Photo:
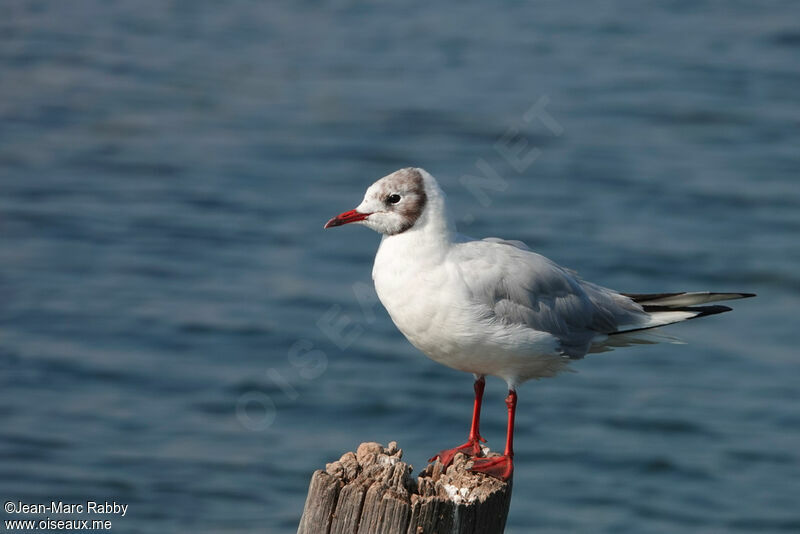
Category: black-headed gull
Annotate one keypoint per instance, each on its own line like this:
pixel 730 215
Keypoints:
pixel 494 307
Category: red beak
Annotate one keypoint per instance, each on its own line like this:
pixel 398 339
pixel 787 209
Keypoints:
pixel 346 217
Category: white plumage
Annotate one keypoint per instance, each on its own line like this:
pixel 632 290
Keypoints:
pixel 494 307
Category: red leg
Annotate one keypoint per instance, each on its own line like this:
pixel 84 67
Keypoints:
pixel 501 467
pixel 473 445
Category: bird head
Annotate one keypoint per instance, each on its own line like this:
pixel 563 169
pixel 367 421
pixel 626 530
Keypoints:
pixel 391 206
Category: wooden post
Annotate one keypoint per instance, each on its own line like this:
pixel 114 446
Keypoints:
pixel 371 492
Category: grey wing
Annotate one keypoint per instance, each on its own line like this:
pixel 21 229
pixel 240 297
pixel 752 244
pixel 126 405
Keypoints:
pixel 522 287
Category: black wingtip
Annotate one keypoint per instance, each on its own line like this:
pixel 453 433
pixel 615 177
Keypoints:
pixel 640 297
pixel 710 310
pixel 643 298
pixel 702 311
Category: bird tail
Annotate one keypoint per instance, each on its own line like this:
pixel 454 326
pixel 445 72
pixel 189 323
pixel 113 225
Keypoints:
pixel 663 309
pixel 668 308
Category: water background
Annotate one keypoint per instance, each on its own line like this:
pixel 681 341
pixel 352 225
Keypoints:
pixel 165 171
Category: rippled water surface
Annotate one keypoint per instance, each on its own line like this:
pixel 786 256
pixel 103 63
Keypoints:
pixel 165 171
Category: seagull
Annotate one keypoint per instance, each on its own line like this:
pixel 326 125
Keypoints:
pixel 494 307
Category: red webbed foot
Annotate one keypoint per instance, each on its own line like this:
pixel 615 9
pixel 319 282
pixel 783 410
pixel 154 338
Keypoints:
pixel 501 467
pixel 470 448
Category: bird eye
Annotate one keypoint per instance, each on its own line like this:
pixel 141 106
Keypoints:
pixel 393 199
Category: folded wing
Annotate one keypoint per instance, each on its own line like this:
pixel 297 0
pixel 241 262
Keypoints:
pixel 518 286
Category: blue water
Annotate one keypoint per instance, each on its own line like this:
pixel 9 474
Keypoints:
pixel 178 333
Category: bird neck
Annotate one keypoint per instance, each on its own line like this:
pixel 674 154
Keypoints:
pixel 424 244
pixel 428 241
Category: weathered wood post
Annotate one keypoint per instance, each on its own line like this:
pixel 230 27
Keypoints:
pixel 371 492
